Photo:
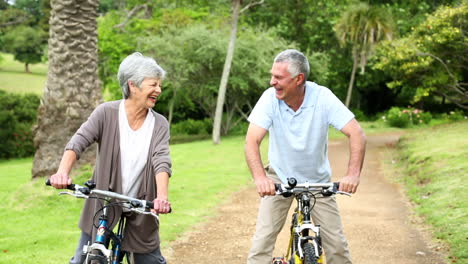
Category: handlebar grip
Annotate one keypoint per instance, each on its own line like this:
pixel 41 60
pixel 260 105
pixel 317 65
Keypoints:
pixel 150 205
pixel 336 186
pixel 277 186
pixel 69 187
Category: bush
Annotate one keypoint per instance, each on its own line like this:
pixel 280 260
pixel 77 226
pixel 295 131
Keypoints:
pixel 402 118
pixel 396 118
pixel 17 116
pixel 359 115
pixel 192 127
pixel 456 115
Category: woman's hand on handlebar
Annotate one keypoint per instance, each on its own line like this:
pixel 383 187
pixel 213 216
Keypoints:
pixel 161 206
pixel 60 180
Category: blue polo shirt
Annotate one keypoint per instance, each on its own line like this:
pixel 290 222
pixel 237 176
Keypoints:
pixel 298 141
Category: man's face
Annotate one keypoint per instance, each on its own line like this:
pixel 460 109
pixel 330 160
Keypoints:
pixel 283 82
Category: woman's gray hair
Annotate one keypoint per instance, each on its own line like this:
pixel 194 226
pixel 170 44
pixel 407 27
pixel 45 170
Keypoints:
pixel 298 62
pixel 136 68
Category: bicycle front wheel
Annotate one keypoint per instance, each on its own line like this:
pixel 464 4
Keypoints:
pixel 96 257
pixel 309 254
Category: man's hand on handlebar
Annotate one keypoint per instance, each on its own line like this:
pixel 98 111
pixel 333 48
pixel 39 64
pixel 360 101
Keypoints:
pixel 349 184
pixel 265 186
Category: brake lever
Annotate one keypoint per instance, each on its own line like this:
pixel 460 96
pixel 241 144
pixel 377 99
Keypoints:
pixel 75 194
pixel 344 193
pixel 144 212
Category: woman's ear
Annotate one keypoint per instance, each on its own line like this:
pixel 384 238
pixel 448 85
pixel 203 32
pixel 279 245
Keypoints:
pixel 131 86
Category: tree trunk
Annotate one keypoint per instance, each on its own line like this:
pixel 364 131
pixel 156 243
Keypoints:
pixel 171 106
pixel 73 88
pixel 351 82
pixel 226 70
pixel 26 67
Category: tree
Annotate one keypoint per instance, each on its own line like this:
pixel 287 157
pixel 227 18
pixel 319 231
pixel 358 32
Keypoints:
pixel 363 26
pixel 236 5
pixel 25 43
pixel 194 57
pixel 429 66
pixel 73 89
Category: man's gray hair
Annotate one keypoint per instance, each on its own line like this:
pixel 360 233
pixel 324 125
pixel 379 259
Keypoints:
pixel 136 68
pixel 298 62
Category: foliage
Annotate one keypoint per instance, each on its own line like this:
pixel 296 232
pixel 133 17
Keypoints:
pixel 17 116
pixel 430 64
pixel 456 115
pixel 194 58
pixel 398 117
pixel 362 26
pixel 32 7
pixel 25 44
pixel 118 40
pixel 192 127
pixel 13 17
pixel 434 172
pixel 310 24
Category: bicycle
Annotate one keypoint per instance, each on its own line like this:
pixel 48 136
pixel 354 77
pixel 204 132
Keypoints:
pixel 305 244
pixel 99 251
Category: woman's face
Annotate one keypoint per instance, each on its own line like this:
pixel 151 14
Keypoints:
pixel 147 94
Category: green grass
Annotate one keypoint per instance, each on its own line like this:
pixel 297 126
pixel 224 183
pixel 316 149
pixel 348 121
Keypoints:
pixel 434 162
pixel 14 79
pixel 37 223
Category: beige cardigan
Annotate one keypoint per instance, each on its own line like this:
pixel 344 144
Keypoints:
pixel 141 231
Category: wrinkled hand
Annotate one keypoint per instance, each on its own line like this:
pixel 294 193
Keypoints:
pixel 265 186
pixel 60 180
pixel 349 184
pixel 161 206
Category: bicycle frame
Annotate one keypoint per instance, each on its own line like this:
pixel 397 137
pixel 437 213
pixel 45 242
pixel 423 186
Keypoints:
pixel 99 249
pixel 103 237
pixel 301 229
pixel 305 241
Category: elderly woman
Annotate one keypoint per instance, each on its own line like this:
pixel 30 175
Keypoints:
pixel 133 157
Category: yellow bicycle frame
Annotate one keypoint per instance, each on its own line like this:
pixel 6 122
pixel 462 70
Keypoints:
pixel 297 259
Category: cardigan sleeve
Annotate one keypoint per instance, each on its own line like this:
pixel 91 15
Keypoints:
pixel 88 133
pixel 160 159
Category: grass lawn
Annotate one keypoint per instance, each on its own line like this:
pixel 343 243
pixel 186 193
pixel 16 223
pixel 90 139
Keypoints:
pixel 14 79
pixel 433 164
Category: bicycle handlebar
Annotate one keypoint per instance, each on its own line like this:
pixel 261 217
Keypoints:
pixel 326 189
pixel 85 191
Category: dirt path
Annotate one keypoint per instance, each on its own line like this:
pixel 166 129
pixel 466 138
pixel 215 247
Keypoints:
pixel 376 220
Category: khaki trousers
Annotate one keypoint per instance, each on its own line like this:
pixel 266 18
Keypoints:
pixel 272 215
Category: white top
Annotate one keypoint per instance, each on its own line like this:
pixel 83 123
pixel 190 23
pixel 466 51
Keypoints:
pixel 298 139
pixel 134 147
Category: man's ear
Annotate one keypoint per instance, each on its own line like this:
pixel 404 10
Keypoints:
pixel 300 78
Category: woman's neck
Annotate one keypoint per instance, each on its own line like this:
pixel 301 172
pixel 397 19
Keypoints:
pixel 135 115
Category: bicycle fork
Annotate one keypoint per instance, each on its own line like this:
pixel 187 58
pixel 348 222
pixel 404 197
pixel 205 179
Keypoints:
pixel 100 242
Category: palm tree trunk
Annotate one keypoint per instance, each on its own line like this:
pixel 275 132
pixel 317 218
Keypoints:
pixel 226 70
pixel 351 82
pixel 73 88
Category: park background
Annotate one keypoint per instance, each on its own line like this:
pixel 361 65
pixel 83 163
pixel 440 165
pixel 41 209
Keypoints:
pixel 399 65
